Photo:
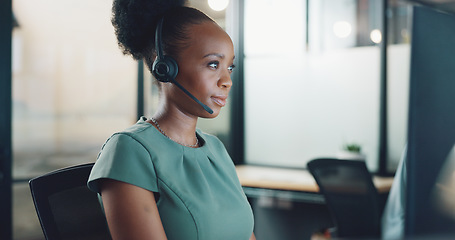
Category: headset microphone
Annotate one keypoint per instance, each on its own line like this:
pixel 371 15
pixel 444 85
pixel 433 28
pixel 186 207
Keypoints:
pixel 165 68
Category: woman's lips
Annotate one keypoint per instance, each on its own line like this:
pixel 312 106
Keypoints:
pixel 220 100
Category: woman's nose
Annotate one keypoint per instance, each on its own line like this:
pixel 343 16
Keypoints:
pixel 225 80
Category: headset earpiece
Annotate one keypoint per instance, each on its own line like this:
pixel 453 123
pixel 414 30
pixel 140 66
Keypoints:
pixel 164 68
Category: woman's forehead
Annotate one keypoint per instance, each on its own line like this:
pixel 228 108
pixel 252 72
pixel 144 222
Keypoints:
pixel 209 38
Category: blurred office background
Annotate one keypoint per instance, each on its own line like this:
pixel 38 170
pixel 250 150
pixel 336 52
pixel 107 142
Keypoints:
pixel 71 89
pixel 310 81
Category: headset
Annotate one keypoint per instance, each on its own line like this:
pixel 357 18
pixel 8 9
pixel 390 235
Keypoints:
pixel 165 68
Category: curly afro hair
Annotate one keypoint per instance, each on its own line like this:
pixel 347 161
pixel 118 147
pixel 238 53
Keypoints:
pixel 135 24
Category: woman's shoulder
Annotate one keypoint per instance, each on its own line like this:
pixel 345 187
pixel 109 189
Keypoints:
pixel 209 138
pixel 212 143
pixel 140 133
pixel 140 128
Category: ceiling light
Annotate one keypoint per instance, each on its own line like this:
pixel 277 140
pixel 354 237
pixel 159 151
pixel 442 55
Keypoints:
pixel 376 36
pixel 218 5
pixel 342 29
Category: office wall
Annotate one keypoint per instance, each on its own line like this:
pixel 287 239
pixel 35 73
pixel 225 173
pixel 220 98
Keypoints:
pixel 71 89
pixel 72 86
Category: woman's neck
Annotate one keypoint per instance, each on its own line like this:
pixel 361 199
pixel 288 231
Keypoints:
pixel 178 126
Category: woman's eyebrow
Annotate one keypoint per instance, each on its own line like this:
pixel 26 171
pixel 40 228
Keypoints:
pixel 219 55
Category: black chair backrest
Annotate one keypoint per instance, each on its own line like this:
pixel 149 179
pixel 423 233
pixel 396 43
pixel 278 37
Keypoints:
pixel 66 208
pixel 350 194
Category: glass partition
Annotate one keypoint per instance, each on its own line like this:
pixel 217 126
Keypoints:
pixel 312 81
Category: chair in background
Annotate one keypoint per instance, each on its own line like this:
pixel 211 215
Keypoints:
pixel 351 196
pixel 66 208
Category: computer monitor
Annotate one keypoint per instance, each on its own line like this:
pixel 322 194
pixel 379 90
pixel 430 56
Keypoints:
pixel 431 128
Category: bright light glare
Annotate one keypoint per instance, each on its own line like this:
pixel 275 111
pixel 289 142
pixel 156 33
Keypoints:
pixel 218 5
pixel 376 36
pixel 342 29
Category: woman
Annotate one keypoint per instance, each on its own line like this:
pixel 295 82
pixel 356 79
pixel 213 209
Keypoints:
pixel 162 178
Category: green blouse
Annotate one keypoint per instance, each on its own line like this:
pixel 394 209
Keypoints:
pixel 200 197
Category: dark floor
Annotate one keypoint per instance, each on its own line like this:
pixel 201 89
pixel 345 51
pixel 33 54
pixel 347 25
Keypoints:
pixel 25 221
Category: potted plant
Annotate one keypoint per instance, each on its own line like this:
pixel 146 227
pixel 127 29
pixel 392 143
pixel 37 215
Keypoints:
pixel 351 151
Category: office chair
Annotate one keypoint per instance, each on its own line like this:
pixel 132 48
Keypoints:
pixel 66 208
pixel 351 196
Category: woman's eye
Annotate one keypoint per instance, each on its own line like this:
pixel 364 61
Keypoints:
pixel 214 65
pixel 231 68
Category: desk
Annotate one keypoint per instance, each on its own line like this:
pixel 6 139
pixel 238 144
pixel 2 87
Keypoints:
pixel 287 203
pixel 291 179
